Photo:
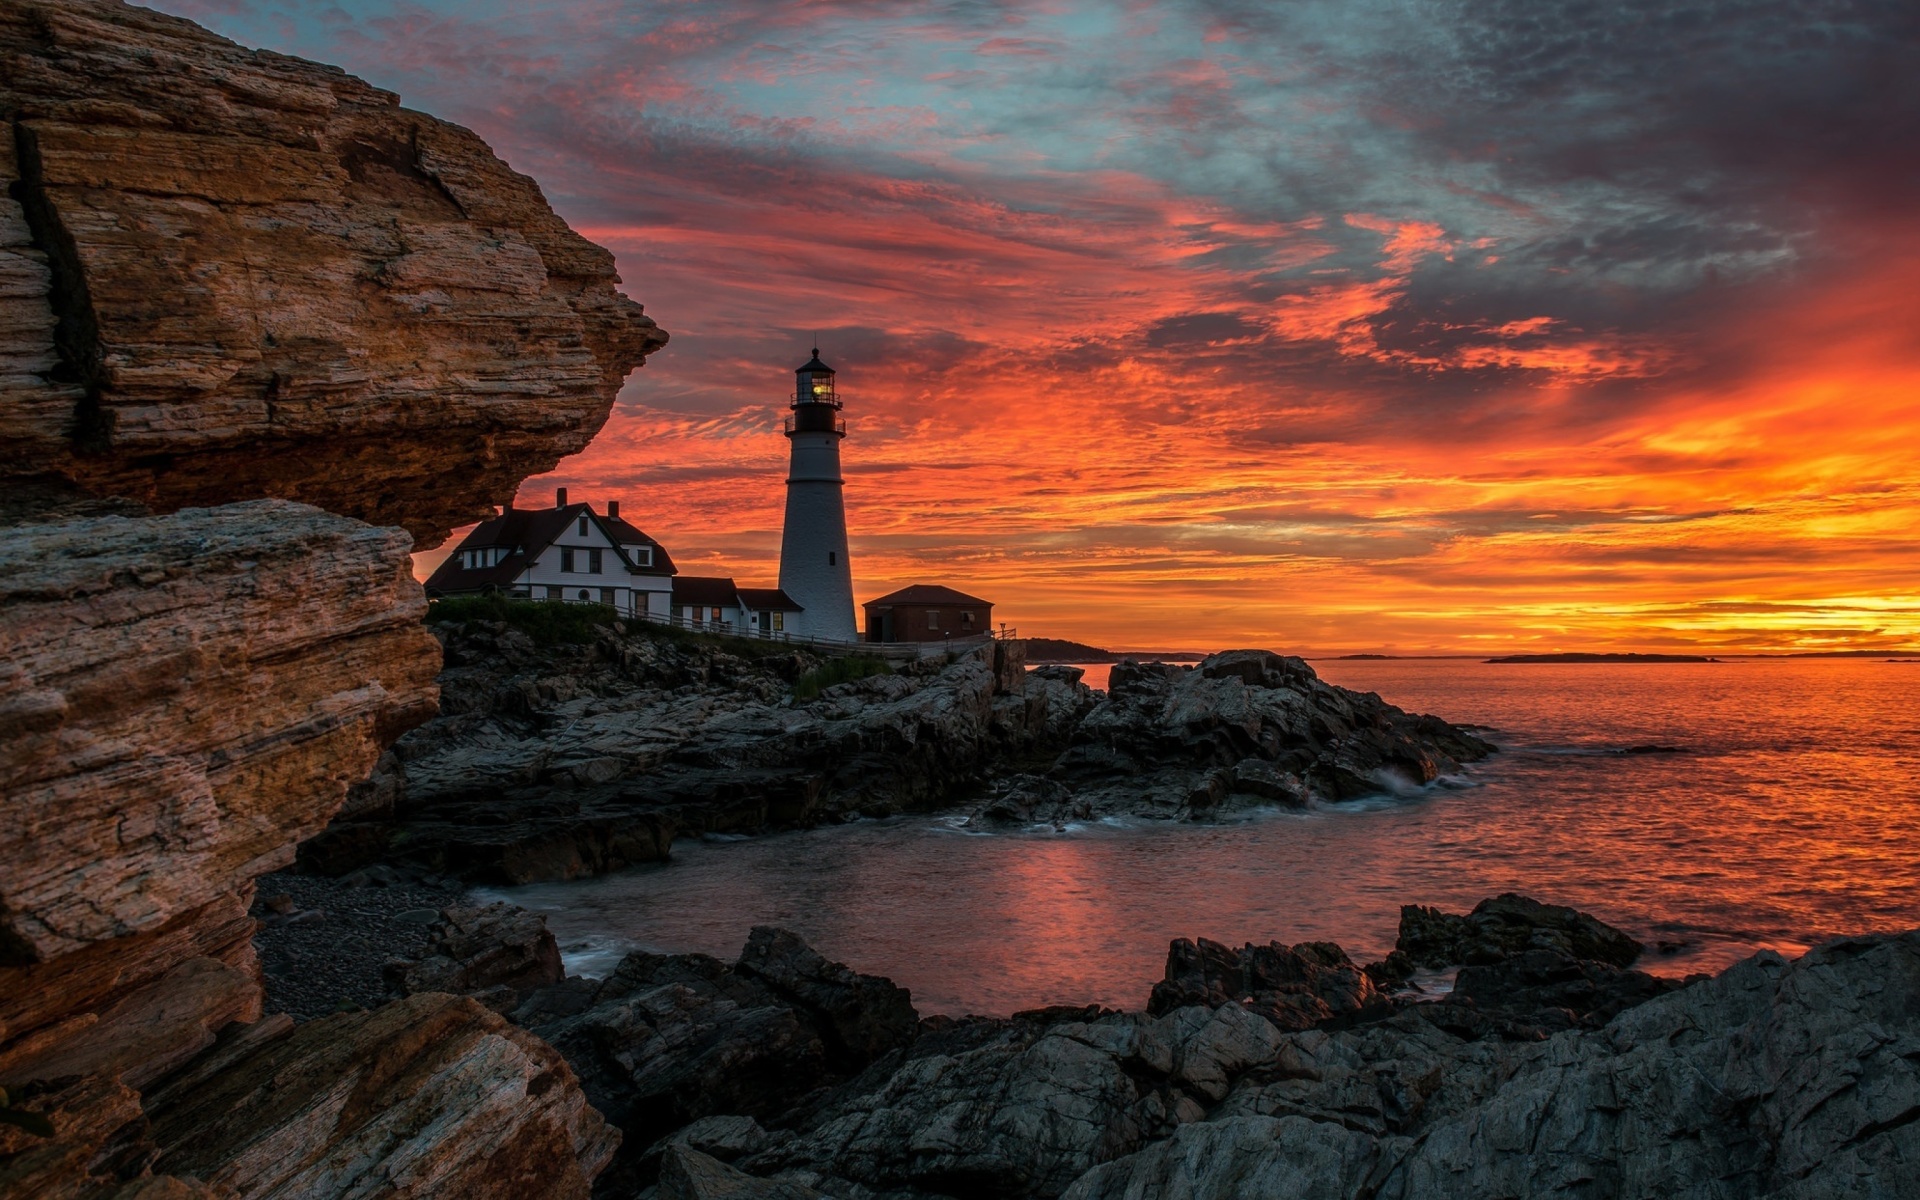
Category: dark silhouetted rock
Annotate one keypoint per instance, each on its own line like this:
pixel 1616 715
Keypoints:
pixel 1295 987
pixel 1506 925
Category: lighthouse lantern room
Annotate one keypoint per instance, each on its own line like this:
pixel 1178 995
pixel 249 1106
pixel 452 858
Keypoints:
pixel 814 571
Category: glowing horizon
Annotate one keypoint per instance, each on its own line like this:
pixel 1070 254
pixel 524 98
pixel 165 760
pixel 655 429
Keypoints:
pixel 1186 325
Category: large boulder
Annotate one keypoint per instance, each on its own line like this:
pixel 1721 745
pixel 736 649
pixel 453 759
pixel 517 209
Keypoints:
pixel 666 1040
pixel 426 1097
pixel 495 953
pixel 1505 925
pixel 1295 987
pixel 365 309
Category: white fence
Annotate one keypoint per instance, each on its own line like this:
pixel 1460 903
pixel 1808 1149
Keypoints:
pixel 893 651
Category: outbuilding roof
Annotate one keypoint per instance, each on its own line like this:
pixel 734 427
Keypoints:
pixel 705 590
pixel 925 593
pixel 768 600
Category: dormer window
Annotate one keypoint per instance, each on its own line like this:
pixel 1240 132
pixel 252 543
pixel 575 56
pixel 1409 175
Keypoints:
pixel 642 555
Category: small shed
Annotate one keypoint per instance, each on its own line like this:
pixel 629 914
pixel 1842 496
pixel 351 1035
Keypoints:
pixel 927 612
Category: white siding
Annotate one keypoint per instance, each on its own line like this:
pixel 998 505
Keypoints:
pixel 814 568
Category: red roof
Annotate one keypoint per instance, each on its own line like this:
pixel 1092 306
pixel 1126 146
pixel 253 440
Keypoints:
pixel 926 593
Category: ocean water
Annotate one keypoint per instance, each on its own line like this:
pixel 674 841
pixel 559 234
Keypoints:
pixel 1782 808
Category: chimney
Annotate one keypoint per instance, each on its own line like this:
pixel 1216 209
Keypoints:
pixel 559 497
pixel 613 509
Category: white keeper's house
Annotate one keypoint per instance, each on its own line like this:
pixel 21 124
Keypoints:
pixel 567 552
pixel 571 553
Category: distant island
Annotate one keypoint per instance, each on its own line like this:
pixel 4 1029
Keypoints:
pixel 1060 650
pixel 1603 658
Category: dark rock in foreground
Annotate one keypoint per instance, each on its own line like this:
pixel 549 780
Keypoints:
pixel 784 1076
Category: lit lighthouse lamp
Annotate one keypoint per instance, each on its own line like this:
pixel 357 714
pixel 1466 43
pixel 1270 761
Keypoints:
pixel 814 571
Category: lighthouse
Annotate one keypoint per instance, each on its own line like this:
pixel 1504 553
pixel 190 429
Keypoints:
pixel 814 571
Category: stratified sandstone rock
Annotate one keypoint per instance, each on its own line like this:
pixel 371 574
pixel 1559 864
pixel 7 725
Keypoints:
pixel 227 273
pixel 186 698
pixel 101 1148
pixel 428 1097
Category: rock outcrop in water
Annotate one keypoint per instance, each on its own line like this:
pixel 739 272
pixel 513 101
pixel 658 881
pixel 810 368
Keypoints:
pixel 559 761
pixel 1772 1079
pixel 237 280
pixel 1242 728
pixel 556 761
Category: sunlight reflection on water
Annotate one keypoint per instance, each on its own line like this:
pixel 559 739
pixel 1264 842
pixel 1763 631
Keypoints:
pixel 1791 813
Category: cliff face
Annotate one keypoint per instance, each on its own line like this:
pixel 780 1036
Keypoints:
pixel 247 304
pixel 229 273
pixel 188 697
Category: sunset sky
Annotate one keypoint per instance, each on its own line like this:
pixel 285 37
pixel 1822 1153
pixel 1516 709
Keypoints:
pixel 1325 326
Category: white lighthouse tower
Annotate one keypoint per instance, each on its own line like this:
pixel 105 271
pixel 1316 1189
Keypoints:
pixel 814 572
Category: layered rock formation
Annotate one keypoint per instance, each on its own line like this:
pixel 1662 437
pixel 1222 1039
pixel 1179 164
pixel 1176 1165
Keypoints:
pixel 187 698
pixel 235 279
pixel 228 273
pixel 559 761
pixel 1773 1079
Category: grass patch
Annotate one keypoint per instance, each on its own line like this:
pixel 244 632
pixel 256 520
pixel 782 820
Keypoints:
pixel 561 623
pixel 547 622
pixel 838 670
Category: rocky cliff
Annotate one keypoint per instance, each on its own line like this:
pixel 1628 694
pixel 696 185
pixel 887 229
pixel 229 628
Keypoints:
pixel 228 273
pixel 555 761
pixel 247 304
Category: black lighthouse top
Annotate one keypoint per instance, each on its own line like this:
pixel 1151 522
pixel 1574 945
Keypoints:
pixel 816 402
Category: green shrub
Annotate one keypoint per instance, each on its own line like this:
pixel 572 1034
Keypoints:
pixel 547 622
pixel 838 670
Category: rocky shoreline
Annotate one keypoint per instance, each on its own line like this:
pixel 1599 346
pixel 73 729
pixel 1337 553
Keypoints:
pixel 569 759
pixel 1257 1070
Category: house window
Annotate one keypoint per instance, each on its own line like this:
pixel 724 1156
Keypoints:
pixel 583 524
pixel 585 594
pixel 593 562
pixel 566 559
pixel 713 614
pixel 933 618
pixel 832 557
pixel 966 618
pixel 778 621
pixel 642 556
pixel 553 593
pixel 606 595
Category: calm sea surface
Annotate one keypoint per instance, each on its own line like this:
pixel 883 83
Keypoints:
pixel 1790 813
